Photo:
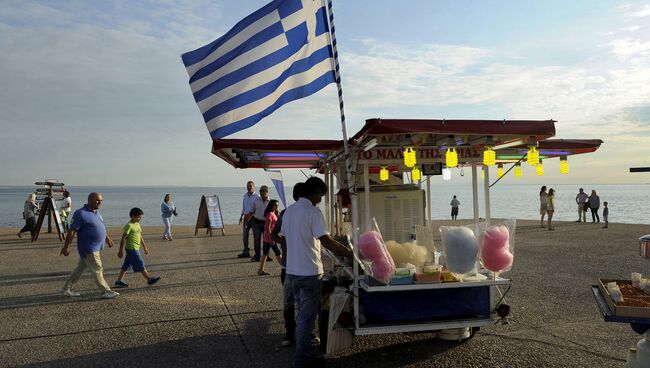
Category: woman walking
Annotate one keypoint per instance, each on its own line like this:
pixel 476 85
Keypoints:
pixel 168 209
pixel 543 203
pixel 270 218
pixel 29 215
pixel 550 207
pixel 594 205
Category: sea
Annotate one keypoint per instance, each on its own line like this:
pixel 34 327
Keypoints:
pixel 626 202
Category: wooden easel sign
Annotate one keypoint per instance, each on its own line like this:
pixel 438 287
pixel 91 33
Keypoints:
pixel 49 207
pixel 210 216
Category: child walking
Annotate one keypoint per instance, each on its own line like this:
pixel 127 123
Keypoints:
pixel 132 240
pixel 270 218
pixel 605 215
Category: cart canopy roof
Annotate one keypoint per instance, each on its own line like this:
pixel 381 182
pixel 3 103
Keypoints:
pixel 453 132
pixel 510 138
pixel 275 154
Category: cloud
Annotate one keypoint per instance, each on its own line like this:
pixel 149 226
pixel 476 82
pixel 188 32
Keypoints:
pixel 644 12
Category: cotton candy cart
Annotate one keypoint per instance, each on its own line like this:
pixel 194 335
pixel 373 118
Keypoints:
pixel 457 309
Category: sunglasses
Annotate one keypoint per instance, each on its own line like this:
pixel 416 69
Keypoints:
pixel 263 191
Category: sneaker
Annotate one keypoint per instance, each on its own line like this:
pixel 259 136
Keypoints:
pixel 70 293
pixel 262 273
pixel 121 284
pixel 110 294
pixel 243 255
pixel 286 342
pixel 255 259
pixel 153 280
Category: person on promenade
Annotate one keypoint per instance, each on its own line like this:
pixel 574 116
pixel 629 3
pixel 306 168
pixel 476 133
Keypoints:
pixel 168 210
pixel 270 218
pixel 66 208
pixel 257 219
pixel 594 204
pixel 288 310
pixel 543 203
pixel 581 200
pixel 245 219
pixel 605 215
pixel 550 207
pixel 132 237
pixel 305 231
pixel 89 225
pixel 454 208
pixel 29 214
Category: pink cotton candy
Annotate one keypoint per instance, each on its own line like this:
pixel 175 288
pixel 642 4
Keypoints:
pixel 495 251
pixel 372 248
pixel 371 245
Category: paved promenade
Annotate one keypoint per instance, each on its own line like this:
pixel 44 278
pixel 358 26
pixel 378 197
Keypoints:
pixel 212 309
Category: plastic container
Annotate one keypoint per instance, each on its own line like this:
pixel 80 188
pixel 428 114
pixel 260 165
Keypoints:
pixel 631 359
pixel 643 353
pixel 644 246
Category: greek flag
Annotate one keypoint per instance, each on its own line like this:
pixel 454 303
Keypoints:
pixel 280 53
pixel 276 178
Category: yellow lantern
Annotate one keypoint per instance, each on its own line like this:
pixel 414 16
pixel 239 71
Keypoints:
pixel 383 173
pixel 564 165
pixel 409 157
pixel 489 156
pixel 533 156
pixel 415 173
pixel 451 157
pixel 500 170
pixel 518 172
pixel 539 169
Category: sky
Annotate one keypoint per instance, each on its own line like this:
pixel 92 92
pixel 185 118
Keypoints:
pixel 95 93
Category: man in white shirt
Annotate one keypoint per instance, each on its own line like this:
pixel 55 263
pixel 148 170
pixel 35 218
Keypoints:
pixel 66 207
pixel 245 218
pixel 257 220
pixel 303 227
pixel 581 199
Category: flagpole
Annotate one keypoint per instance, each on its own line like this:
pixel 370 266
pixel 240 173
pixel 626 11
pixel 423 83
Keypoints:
pixel 350 169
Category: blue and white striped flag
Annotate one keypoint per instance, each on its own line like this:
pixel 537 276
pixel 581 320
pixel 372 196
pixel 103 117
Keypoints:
pixel 278 54
pixel 276 179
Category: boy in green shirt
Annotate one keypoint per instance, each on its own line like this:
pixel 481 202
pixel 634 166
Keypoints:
pixel 132 237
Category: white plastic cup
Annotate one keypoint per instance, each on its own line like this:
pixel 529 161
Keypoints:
pixel 636 279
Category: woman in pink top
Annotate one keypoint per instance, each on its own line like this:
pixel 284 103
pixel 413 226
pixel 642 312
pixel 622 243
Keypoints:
pixel 271 217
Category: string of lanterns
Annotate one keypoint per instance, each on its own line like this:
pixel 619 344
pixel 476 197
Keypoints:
pixel 489 159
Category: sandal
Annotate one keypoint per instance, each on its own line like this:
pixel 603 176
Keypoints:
pixel 262 273
pixel 18 235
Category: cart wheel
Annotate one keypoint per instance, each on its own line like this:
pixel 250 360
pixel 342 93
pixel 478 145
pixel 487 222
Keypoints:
pixel 473 332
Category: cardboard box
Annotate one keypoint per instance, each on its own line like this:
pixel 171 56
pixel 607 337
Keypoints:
pixel 623 311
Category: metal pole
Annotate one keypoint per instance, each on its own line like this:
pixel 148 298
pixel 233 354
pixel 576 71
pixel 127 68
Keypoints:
pixel 429 201
pixel 366 192
pixel 475 192
pixel 328 200
pixel 348 160
pixel 486 193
